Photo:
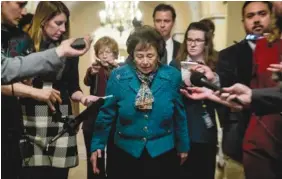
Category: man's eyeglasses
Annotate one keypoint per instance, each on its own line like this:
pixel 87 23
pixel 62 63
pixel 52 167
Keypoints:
pixel 196 41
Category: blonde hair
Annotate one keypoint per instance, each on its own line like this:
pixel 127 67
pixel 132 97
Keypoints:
pixel 106 42
pixel 45 11
pixel 274 30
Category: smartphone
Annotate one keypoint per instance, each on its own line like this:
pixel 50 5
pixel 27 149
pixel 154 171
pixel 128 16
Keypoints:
pixel 188 64
pixel 98 61
pixel 186 71
pixel 253 37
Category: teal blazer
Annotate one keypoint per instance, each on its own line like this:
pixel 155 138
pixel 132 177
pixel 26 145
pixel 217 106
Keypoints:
pixel 159 130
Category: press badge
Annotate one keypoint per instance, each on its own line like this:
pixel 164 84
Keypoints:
pixel 208 120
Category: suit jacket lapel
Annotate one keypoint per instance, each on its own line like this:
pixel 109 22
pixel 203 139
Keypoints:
pixel 164 58
pixel 176 47
pixel 245 65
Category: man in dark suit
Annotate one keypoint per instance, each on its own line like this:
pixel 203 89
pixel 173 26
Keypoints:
pixel 235 65
pixel 164 18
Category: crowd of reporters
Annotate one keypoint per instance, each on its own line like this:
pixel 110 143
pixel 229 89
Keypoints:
pixel 156 145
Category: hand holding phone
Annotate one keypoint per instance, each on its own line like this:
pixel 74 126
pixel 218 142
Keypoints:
pixel 186 71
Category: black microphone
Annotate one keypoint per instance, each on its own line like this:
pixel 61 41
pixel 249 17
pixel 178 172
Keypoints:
pixel 72 124
pixel 78 44
pixel 200 80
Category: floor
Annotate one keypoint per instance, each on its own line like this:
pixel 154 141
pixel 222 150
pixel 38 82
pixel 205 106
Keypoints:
pixel 80 170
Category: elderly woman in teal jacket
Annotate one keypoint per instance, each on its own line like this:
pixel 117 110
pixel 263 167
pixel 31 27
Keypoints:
pixel 151 125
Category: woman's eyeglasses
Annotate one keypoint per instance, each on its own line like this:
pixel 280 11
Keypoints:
pixel 196 41
pixel 107 53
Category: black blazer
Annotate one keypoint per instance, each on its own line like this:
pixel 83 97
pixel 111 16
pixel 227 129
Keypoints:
pixel 266 101
pixel 176 47
pixel 235 65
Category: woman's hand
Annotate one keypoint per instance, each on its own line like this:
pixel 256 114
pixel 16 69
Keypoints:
pixel 275 67
pixel 65 49
pixel 205 70
pixel 113 63
pixel 95 67
pixel 85 100
pixel 240 91
pixel 50 96
pixel 28 81
pixel 197 93
pixel 94 158
pixel 183 157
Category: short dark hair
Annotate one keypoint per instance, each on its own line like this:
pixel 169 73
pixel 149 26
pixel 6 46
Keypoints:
pixel 145 35
pixel 268 3
pixel 165 7
pixel 209 23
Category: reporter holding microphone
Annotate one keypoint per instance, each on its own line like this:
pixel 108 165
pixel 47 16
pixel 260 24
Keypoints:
pixel 50 26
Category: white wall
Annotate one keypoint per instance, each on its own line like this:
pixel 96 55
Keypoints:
pixel 234 28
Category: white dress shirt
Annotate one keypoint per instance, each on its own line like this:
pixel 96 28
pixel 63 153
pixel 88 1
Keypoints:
pixel 169 50
pixel 252 45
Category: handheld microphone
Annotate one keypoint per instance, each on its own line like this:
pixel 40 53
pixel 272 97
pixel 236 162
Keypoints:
pixel 72 123
pixel 200 80
pixel 78 44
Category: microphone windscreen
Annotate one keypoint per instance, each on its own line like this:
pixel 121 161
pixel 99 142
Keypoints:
pixel 196 79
